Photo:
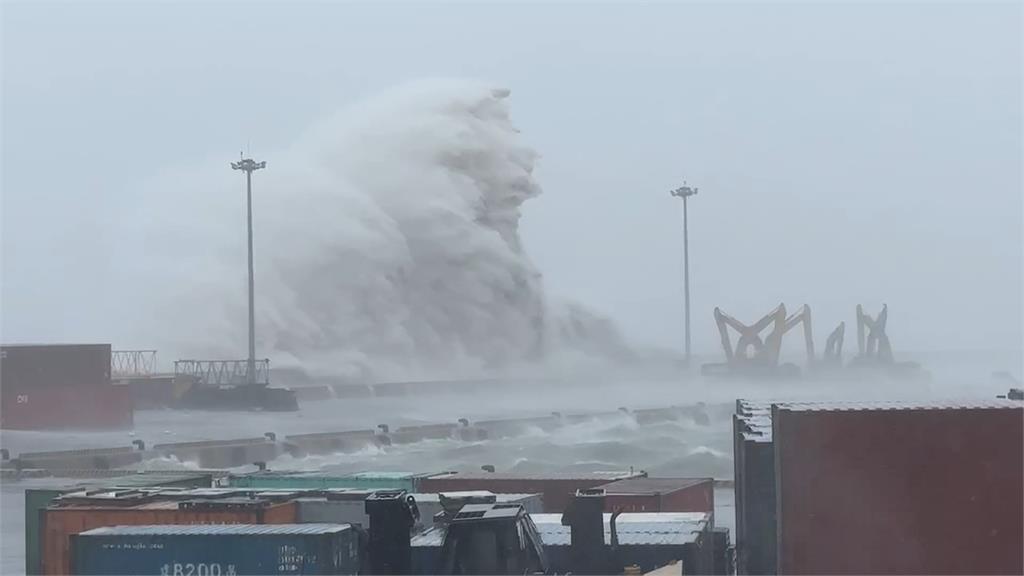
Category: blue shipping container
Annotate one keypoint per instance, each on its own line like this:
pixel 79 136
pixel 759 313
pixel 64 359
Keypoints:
pixel 217 550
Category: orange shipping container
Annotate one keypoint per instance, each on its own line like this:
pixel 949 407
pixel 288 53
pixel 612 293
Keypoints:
pixel 61 523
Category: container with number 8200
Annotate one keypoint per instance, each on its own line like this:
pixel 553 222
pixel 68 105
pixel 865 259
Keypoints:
pixel 217 550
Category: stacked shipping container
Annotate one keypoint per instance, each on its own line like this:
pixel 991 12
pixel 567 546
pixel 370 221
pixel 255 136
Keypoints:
pixel 873 488
pixel 883 487
pixel 60 386
pixel 60 523
pixel 646 540
pixel 407 481
pixel 557 489
pixel 38 499
pixel 753 459
pixel 348 506
pixel 660 495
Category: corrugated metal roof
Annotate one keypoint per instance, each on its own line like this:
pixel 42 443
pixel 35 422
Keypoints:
pixel 423 497
pixel 499 498
pixel 758 420
pixel 384 475
pixel 488 511
pixel 610 475
pixel 634 529
pixel 951 404
pixel 216 529
pixel 651 485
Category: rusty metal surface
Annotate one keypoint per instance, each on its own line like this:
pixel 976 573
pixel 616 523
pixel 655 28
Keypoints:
pixel 912 490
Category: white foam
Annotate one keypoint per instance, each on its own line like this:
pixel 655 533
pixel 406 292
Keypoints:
pixel 387 241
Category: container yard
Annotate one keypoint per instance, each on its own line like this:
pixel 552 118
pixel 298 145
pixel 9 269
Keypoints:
pixel 97 488
pixel 776 452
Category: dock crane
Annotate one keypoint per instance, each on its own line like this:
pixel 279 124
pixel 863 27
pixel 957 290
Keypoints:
pixel 757 356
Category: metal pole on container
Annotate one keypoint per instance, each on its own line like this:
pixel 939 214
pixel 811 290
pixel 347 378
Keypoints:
pixel 685 192
pixel 248 165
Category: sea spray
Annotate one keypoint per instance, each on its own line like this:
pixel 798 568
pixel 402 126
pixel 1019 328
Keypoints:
pixel 387 247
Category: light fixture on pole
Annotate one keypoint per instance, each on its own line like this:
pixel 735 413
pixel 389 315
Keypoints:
pixel 248 165
pixel 685 192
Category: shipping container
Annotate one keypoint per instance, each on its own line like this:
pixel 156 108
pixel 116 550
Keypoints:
pixel 107 407
pixel 407 481
pixel 754 488
pixel 900 488
pixel 722 552
pixel 29 367
pixel 217 550
pixel 60 523
pixel 348 507
pixel 647 540
pixel 556 489
pixel 38 499
pixel 660 495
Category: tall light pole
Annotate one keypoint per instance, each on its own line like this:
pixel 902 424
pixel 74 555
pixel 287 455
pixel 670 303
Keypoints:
pixel 685 192
pixel 249 166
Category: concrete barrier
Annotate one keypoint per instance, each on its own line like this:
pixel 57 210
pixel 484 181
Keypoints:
pixel 94 458
pixel 332 442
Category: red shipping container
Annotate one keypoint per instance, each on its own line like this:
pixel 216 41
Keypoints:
pixel 556 489
pixel 61 523
pixel 47 408
pixel 660 495
pixel 900 488
pixel 33 366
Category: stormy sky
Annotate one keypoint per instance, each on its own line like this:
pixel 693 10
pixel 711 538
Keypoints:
pixel 845 154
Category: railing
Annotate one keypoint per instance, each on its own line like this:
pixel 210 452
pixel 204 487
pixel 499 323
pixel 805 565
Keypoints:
pixel 129 363
pixel 223 372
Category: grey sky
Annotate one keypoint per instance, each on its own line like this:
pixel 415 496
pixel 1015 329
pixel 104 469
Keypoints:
pixel 845 153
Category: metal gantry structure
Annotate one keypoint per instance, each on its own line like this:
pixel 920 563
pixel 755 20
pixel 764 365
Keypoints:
pixel 685 192
pixel 225 372
pixel 132 363
pixel 248 165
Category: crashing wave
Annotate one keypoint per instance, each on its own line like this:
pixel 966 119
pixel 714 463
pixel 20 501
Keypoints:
pixel 387 246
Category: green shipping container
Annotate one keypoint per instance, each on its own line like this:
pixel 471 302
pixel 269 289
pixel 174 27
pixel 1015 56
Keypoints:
pixel 318 481
pixel 38 499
